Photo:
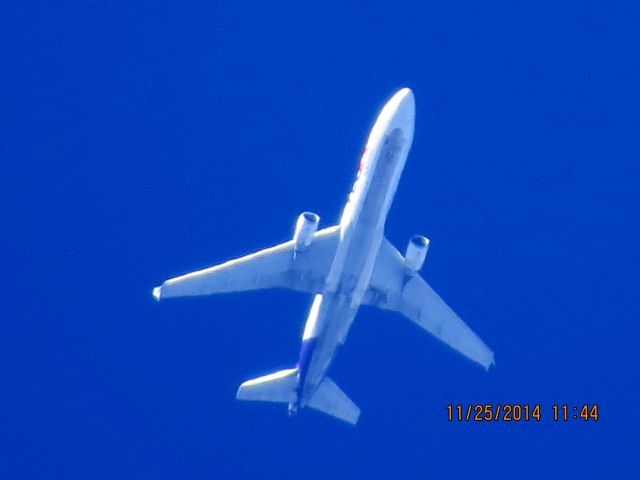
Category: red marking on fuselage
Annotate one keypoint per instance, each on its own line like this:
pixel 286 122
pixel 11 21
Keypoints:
pixel 361 163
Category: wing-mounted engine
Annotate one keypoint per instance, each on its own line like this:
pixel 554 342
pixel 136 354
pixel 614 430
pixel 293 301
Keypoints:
pixel 416 253
pixel 306 226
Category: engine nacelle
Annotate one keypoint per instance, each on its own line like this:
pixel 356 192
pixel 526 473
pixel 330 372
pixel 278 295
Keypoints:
pixel 306 226
pixel 416 253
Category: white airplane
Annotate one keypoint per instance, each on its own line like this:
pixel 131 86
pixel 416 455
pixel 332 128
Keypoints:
pixel 343 266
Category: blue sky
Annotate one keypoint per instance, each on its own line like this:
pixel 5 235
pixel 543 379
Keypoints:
pixel 145 140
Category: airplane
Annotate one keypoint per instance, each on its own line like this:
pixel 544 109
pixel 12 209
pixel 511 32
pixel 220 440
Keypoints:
pixel 342 266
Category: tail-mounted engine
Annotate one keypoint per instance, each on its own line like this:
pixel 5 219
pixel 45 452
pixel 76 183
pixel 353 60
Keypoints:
pixel 416 253
pixel 306 226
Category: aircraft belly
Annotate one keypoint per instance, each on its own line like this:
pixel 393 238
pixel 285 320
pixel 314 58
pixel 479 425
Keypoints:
pixel 353 264
pixel 335 316
pixel 373 211
pixel 362 231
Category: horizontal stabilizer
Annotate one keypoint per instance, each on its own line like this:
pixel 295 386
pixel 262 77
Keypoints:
pixel 329 399
pixel 275 387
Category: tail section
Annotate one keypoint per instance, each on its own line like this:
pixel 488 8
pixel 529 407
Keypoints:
pixel 278 387
pixel 329 399
pixel 282 387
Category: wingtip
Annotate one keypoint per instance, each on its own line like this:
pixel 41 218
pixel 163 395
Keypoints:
pixel 491 363
pixel 239 393
pixel 157 292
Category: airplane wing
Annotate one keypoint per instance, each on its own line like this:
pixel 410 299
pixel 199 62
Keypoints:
pixel 273 267
pixel 391 289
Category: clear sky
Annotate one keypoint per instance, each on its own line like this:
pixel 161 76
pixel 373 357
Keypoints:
pixel 141 141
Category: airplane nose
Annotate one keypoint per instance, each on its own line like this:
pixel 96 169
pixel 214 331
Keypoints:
pixel 398 112
pixel 406 102
pixel 405 93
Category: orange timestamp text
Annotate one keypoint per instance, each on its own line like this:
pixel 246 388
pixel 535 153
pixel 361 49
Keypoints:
pixel 515 412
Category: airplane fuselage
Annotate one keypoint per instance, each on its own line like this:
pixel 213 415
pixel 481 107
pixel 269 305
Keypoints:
pixel 361 233
pixel 343 266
